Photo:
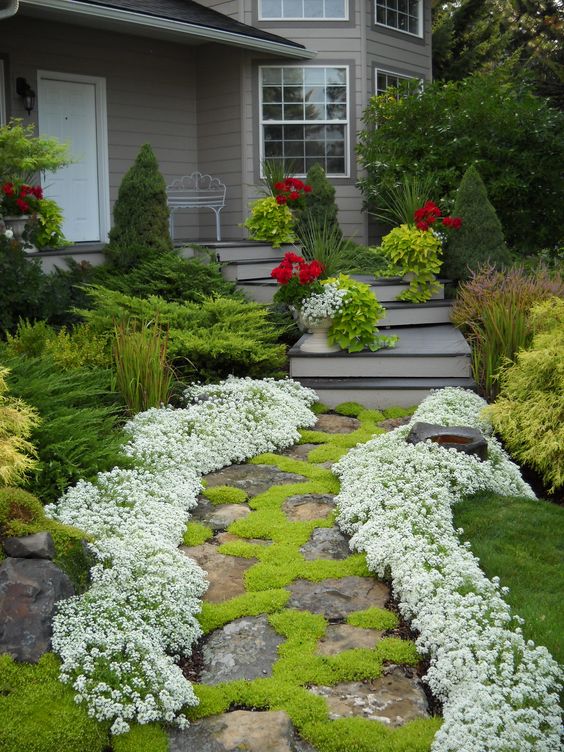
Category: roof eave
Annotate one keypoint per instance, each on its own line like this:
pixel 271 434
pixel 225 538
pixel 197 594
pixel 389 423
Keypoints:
pixel 179 28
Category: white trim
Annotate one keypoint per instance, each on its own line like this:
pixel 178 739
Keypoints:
pixel 346 122
pixel 3 112
pixel 104 213
pixel 419 34
pixel 321 19
pixel 180 29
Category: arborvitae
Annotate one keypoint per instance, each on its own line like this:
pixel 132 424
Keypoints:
pixel 480 240
pixel 320 207
pixel 140 213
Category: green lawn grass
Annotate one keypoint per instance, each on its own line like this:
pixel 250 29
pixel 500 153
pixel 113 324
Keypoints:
pixel 522 542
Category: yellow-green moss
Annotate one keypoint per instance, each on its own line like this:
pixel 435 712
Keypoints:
pixel 196 534
pixel 351 409
pixel 326 453
pixel 225 495
pixel 319 408
pixel 399 412
pixel 373 618
pixel 39 714
pixel 215 615
pixel 147 738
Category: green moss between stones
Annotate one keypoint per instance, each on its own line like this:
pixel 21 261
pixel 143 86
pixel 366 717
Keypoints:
pixel 319 408
pixel 196 534
pixel 399 412
pixel 147 738
pixel 351 409
pixel 225 495
pixel 21 513
pixel 39 714
pixel 326 453
pixel 373 618
pixel 215 615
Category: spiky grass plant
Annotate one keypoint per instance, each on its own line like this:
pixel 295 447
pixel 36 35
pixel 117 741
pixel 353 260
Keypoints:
pixel 325 243
pixel 492 311
pixel 143 376
pixel 397 205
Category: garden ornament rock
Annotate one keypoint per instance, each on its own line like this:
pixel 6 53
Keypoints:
pixel 462 438
pixel 37 546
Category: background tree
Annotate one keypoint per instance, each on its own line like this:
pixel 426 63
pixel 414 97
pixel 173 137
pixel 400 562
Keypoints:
pixel 514 139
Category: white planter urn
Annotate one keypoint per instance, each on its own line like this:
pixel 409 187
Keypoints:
pixel 17 225
pixel 316 341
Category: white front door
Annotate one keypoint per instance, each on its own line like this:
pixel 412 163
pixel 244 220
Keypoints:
pixel 68 110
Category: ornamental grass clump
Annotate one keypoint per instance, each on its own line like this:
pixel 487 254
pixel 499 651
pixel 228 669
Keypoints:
pixel 119 641
pixel 499 691
pixel 528 413
pixel 143 375
pixel 492 311
pixel 17 421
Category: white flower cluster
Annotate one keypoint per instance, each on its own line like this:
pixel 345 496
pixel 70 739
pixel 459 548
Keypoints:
pixel 118 642
pixel 323 305
pixel 499 691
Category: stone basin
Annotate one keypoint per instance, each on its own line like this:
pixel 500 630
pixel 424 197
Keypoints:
pixel 462 438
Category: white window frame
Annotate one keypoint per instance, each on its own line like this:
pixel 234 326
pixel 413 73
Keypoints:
pixel 3 108
pixel 282 17
pixel 420 10
pixel 346 122
pixel 403 76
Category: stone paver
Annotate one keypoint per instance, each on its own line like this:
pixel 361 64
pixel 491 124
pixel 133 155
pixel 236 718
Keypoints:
pixel 326 543
pixel 221 538
pixel 219 516
pixel 393 699
pixel 308 507
pixel 336 424
pixel 244 730
pixel 339 637
pixel 254 479
pixel 298 451
pixel 225 573
pixel 336 598
pixel 243 649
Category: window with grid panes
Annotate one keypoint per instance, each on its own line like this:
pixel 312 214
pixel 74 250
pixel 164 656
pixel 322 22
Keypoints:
pixel 403 15
pixel 299 10
pixel 304 117
pixel 385 80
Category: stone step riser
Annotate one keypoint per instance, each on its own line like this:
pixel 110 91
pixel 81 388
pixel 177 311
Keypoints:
pixel 254 252
pixel 416 316
pixel 374 398
pixel 430 366
pixel 234 272
pixel 263 293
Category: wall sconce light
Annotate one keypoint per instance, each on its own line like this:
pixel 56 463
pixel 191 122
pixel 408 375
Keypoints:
pixel 24 90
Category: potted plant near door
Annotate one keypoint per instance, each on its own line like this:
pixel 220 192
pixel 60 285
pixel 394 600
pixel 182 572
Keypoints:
pixel 18 203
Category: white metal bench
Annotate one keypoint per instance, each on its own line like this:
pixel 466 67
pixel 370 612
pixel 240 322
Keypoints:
pixel 196 191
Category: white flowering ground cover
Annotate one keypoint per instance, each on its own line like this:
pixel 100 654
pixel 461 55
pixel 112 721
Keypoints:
pixel 118 642
pixel 499 692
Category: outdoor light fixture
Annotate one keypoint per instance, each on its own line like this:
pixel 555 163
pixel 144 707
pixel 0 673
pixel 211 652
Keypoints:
pixel 24 90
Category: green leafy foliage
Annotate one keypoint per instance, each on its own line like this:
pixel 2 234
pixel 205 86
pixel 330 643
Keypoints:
pixel 418 252
pixel 529 410
pixel 480 239
pixel 398 203
pixel 22 514
pixel 492 311
pixel 140 214
pixel 77 436
pixel 512 137
pixel 520 541
pixel 354 326
pixel 271 222
pixel 207 340
pixel 48 228
pixel 23 155
pixel 23 285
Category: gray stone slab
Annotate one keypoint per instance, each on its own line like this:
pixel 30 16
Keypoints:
pixel 330 423
pixel 335 598
pixel 308 506
pixel 225 574
pixel 254 479
pixel 243 649
pixel 339 637
pixel 219 516
pixel 37 546
pixel 240 730
pixel 326 543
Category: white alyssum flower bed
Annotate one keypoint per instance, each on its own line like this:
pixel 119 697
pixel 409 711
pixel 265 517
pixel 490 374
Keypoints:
pixel 119 640
pixel 500 692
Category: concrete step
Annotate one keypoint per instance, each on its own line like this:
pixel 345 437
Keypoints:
pixel 381 392
pixel 249 250
pixel 262 289
pixel 249 269
pixel 421 352
pixel 416 314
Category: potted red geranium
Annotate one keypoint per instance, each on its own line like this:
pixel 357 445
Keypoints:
pixel 18 203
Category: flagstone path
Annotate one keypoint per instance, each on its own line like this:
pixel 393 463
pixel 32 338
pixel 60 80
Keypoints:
pixel 249 647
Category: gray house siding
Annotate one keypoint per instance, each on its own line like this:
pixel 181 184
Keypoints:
pixel 150 86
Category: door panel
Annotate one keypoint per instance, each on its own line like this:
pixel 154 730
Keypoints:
pixel 67 110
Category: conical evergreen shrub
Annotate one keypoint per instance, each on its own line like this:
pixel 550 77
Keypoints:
pixel 320 209
pixel 140 213
pixel 480 240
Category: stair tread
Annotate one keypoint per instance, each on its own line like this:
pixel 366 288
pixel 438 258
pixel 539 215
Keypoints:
pixel 414 342
pixel 385 382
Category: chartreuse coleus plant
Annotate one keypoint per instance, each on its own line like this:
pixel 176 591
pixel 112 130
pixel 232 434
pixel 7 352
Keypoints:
pixel 410 249
pixel 298 665
pixel 271 222
pixel 354 323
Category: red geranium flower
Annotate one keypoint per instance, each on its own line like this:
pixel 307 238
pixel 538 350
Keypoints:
pixel 294 196
pixel 281 199
pixel 8 189
pixel 24 206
